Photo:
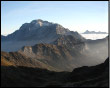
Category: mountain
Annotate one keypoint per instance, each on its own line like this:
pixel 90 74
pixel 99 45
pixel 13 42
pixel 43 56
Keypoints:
pixel 93 76
pixel 61 50
pixel 64 54
pixel 93 32
pixel 37 31
pixel 49 56
pixel 42 53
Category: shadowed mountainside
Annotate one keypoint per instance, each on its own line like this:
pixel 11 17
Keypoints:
pixel 94 76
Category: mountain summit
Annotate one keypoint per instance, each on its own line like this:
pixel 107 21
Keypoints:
pixel 37 29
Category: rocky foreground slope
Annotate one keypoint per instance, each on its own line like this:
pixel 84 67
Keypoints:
pixel 94 76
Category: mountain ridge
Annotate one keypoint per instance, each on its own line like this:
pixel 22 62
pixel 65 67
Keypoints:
pixel 93 32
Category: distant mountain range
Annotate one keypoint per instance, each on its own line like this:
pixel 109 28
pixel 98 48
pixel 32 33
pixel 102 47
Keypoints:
pixel 93 32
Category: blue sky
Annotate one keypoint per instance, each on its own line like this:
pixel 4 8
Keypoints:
pixel 75 15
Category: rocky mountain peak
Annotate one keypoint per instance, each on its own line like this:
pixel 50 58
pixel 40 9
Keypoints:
pixel 41 23
pixel 36 21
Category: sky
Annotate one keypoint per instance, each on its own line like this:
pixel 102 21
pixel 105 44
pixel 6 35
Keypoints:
pixel 75 15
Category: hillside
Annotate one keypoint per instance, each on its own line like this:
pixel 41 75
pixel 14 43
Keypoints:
pixel 95 76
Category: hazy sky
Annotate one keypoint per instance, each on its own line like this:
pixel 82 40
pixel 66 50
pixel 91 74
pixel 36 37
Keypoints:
pixel 75 15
